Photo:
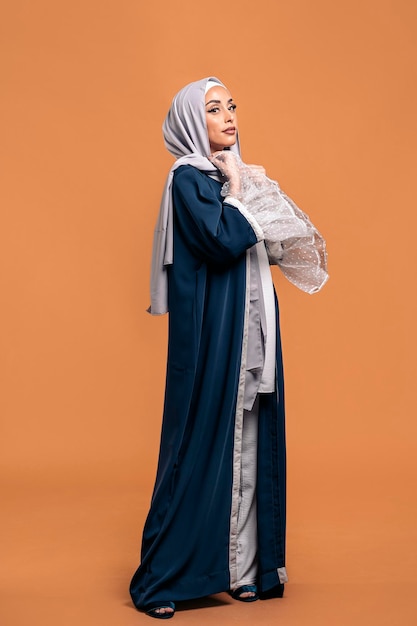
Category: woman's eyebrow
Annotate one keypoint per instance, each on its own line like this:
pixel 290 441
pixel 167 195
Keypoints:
pixel 218 101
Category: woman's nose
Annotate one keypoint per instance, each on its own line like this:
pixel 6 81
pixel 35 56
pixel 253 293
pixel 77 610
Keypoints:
pixel 228 116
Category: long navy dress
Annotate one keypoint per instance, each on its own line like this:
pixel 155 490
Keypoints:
pixel 186 546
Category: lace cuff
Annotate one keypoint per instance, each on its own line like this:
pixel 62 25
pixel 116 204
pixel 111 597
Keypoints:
pixel 252 221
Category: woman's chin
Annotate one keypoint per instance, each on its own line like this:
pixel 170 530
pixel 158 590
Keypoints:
pixel 225 145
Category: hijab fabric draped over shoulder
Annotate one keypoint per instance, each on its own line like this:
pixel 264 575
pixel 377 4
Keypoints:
pixel 186 138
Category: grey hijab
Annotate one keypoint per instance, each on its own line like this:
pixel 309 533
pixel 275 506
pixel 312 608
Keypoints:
pixel 185 136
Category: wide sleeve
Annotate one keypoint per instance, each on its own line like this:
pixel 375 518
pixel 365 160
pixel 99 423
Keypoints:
pixel 218 232
pixel 291 239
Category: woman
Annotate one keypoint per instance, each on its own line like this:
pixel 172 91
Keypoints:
pixel 217 517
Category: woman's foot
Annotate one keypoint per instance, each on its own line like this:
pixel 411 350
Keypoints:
pixel 160 610
pixel 245 593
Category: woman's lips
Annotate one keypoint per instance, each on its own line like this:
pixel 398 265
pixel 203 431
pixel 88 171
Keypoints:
pixel 230 131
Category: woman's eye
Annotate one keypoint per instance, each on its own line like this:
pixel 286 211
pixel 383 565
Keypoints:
pixel 213 110
pixel 233 107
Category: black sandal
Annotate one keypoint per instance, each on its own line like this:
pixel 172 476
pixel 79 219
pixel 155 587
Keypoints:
pixel 153 610
pixel 275 592
pixel 237 593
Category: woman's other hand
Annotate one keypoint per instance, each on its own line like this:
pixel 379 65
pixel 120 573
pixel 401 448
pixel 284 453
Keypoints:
pixel 259 169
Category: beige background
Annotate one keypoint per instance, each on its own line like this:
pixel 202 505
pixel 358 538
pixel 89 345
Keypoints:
pixel 327 102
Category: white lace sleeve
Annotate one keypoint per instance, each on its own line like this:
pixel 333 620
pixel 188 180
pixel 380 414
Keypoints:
pixel 292 241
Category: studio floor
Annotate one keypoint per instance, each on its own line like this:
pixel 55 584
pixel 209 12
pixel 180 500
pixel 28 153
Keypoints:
pixel 69 550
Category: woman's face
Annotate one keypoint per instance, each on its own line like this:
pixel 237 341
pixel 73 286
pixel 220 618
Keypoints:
pixel 220 118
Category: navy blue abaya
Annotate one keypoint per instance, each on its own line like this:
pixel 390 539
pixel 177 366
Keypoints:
pixel 187 539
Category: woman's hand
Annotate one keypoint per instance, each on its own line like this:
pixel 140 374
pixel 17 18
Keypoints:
pixel 227 163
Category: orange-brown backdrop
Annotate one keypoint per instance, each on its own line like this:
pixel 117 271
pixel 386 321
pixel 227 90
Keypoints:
pixel 327 103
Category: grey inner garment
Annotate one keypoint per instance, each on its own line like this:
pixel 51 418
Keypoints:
pixel 246 560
